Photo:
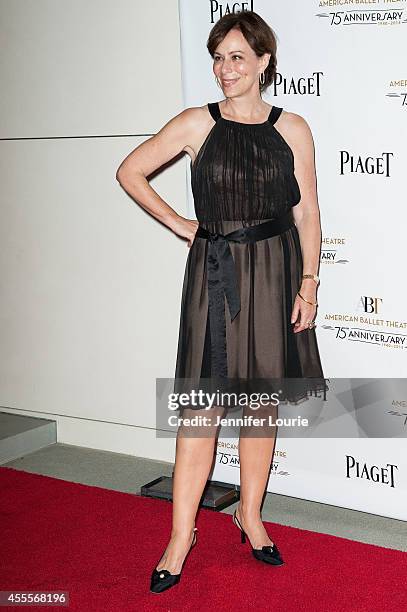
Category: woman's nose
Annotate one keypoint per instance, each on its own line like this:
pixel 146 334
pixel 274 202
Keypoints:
pixel 227 69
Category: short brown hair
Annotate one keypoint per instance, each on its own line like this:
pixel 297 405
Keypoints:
pixel 256 31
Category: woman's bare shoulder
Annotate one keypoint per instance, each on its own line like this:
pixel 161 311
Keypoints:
pixel 294 128
pixel 197 121
pixel 193 116
pixel 183 132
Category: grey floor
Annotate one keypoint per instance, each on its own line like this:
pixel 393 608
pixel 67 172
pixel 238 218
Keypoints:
pixel 127 473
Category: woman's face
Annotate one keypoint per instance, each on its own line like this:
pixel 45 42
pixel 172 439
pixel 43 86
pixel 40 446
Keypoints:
pixel 236 65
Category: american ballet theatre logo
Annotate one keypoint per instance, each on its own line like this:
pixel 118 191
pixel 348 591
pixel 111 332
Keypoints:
pixel 227 454
pixel 218 9
pixel 398 91
pixel 399 410
pixel 370 304
pixel 365 16
pixel 365 164
pixel 376 474
pixel 367 325
pixel 331 249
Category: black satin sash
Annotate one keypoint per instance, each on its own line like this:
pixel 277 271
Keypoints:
pixel 222 279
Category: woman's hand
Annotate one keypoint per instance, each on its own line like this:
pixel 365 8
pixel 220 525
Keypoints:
pixel 185 228
pixel 302 311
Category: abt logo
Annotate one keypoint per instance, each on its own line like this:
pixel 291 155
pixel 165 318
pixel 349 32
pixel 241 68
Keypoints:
pixel 369 304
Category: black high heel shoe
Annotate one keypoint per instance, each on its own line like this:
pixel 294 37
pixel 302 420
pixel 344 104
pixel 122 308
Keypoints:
pixel 268 554
pixel 161 580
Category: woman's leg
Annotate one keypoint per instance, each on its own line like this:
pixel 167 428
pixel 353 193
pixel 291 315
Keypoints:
pixel 193 462
pixel 256 450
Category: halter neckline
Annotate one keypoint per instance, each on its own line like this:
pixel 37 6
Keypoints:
pixel 216 114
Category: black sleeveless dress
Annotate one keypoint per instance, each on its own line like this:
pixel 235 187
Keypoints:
pixel 243 175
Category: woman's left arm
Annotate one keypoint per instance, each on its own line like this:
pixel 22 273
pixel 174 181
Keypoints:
pixel 306 216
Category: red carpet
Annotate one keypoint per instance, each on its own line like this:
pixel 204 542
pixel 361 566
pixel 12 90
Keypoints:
pixel 101 546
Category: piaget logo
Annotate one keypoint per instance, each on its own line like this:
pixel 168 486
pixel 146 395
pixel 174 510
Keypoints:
pixel 382 332
pixel 218 9
pixel 331 250
pixel 309 84
pixel 386 16
pixel 398 91
pixel 384 474
pixel 365 164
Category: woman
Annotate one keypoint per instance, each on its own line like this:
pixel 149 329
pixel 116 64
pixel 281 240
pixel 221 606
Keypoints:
pixel 242 166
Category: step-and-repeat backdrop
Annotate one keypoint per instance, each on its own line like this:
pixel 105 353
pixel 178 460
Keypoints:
pixel 342 67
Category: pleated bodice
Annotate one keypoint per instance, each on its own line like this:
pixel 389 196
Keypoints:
pixel 243 171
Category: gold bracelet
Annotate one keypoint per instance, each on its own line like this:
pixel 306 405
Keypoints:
pixel 313 276
pixel 308 302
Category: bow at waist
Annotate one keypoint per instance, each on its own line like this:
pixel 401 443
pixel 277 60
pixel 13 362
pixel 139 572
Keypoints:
pixel 223 281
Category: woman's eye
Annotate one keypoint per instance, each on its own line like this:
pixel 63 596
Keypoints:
pixel 217 58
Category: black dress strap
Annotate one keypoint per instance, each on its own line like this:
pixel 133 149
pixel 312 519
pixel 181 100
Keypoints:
pixel 214 110
pixel 274 114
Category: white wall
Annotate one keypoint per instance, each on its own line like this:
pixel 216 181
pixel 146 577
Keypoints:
pixel 91 284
